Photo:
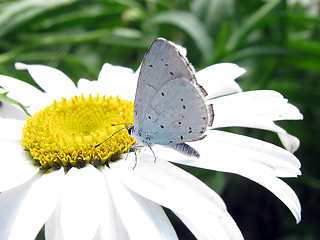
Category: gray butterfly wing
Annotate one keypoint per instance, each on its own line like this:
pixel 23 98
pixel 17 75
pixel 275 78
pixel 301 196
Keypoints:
pixel 176 114
pixel 162 63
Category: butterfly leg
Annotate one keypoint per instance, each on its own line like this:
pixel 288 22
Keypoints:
pixel 134 146
pixel 155 158
pixel 135 158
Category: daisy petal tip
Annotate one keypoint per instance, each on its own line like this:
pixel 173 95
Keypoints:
pixel 241 70
pixel 298 219
pixel 238 71
pixel 290 142
pixel 235 69
pixel 297 215
pixel 20 66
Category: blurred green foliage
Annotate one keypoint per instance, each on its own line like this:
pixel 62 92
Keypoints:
pixel 276 41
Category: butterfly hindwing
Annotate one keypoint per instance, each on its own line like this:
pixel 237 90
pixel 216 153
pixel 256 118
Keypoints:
pixel 176 114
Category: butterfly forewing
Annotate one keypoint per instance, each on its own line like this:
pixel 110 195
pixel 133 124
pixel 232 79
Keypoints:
pixel 162 63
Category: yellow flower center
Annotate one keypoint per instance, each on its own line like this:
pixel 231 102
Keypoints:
pixel 65 133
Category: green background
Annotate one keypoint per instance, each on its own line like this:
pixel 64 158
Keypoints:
pixel 276 41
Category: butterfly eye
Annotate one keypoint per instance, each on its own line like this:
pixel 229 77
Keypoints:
pixel 130 130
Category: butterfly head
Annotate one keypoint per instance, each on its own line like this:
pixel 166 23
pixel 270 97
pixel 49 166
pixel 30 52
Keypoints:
pixel 130 130
pixel 138 136
pixel 133 133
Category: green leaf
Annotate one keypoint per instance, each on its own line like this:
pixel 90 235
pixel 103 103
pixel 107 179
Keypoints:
pixel 250 24
pixel 18 13
pixel 5 98
pixel 271 51
pixel 189 24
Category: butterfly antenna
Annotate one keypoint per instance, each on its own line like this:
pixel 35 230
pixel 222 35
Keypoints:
pixel 125 124
pixel 110 136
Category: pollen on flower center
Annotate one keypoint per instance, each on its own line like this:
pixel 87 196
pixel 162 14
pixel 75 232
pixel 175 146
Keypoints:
pixel 65 133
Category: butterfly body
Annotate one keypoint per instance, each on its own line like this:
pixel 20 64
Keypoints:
pixel 169 104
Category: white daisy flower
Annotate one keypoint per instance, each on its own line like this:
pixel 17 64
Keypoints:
pixel 52 175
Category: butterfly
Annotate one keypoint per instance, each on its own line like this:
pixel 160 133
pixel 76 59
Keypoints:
pixel 169 106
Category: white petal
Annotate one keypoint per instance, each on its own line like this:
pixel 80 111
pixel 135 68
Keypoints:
pixel 8 110
pixel 291 143
pixel 280 189
pixel 54 82
pixel 117 80
pixel 205 229
pixel 259 161
pixel 24 93
pixel 111 226
pixel 87 87
pixel 37 205
pixel 10 202
pixel 16 165
pixel 228 152
pixel 52 226
pixel 11 129
pixel 256 109
pixel 81 199
pixel 260 157
pixel 252 106
pixel 142 218
pixel 164 183
pixel 173 188
pixel 218 79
